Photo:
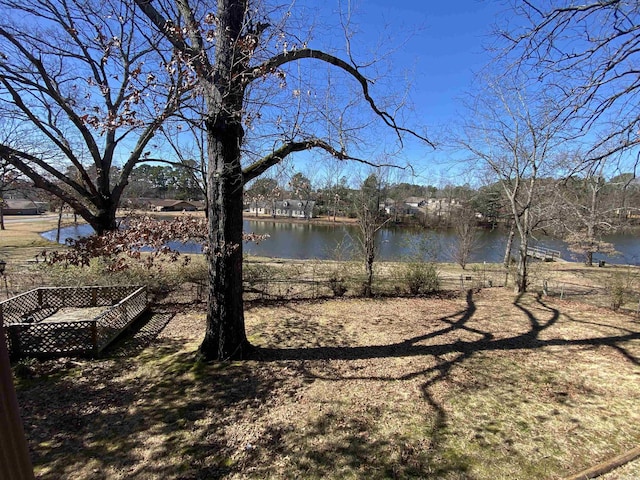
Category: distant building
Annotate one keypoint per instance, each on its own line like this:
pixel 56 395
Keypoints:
pixel 169 205
pixel 442 206
pixel 284 208
pixel 391 207
pixel 628 213
pixel 23 207
pixel 420 206
pixel 415 202
pixel 199 204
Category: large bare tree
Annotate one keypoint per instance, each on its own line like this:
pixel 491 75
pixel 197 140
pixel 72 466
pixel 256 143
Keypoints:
pixel 516 134
pixel 89 85
pixel 260 82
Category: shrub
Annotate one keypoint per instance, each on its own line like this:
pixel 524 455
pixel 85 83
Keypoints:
pixel 616 291
pixel 160 278
pixel 337 285
pixel 421 277
pixel 620 286
pixel 258 276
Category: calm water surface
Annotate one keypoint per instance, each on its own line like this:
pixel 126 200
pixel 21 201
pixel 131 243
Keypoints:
pixel 306 241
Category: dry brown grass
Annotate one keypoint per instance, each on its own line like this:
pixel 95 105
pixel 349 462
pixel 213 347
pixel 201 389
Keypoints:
pixel 20 241
pixel 481 386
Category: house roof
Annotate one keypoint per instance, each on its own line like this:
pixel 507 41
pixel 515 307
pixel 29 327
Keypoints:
pixel 19 204
pixel 287 203
pixel 168 202
pixel 295 203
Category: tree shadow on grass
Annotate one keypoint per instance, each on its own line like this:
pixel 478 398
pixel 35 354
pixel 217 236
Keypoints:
pixel 435 460
pixel 160 415
pixel 529 340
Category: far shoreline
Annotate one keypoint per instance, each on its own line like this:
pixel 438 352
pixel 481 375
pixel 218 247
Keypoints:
pixel 321 220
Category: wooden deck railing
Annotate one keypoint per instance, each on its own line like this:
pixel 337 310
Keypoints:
pixel 28 335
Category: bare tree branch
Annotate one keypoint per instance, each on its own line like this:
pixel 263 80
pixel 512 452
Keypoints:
pixel 21 161
pixel 253 73
pixel 262 165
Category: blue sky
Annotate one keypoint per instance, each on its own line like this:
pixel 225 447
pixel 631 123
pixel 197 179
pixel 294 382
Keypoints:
pixel 441 48
pixel 448 51
pixel 445 46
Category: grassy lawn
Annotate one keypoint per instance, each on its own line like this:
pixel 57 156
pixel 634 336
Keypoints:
pixel 484 385
pixel 20 241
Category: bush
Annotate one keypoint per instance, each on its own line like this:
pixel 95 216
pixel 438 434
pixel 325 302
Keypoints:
pixel 620 286
pixel 616 291
pixel 258 277
pixel 160 278
pixel 337 285
pixel 421 277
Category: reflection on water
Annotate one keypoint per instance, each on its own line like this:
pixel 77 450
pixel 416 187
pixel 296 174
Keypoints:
pixel 305 241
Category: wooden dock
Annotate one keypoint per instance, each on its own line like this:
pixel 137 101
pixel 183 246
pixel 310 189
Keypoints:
pixel 544 254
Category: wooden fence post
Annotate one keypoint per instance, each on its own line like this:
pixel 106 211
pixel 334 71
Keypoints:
pixel 14 338
pixel 15 463
pixel 94 337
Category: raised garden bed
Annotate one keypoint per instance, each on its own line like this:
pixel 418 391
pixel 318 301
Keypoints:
pixel 69 320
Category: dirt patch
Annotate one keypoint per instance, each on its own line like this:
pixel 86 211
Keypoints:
pixel 484 385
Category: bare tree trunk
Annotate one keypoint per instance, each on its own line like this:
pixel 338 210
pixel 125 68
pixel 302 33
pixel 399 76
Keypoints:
pixel 369 222
pixel 524 230
pixel 591 234
pixel 225 337
pixel 369 259
pixel 105 221
pixel 59 223
pixel 507 250
pixel 522 273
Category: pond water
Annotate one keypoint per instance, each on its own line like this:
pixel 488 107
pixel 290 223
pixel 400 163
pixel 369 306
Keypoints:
pixel 307 241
